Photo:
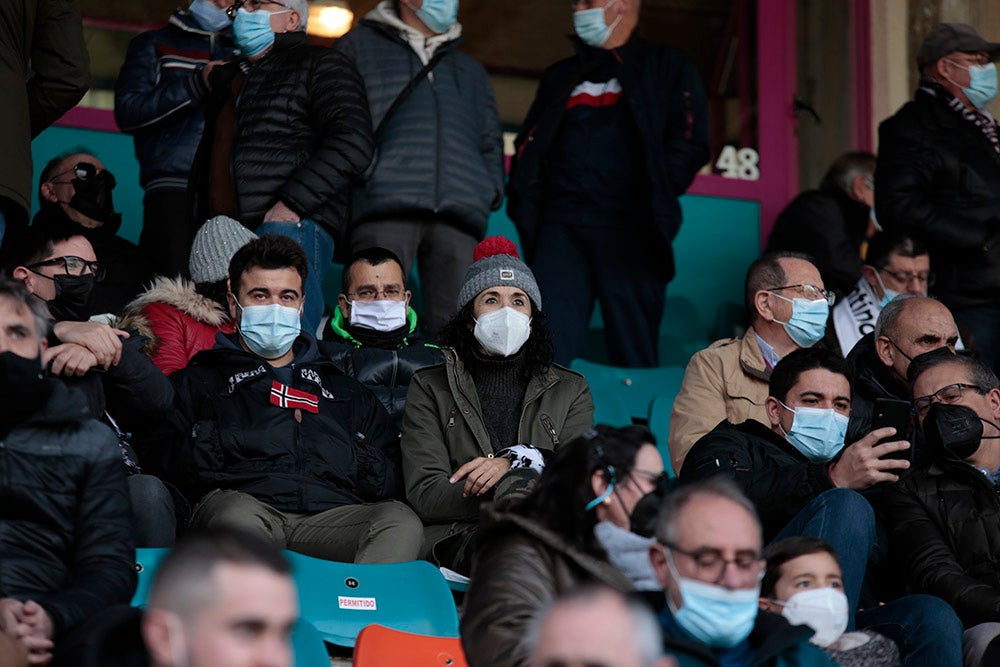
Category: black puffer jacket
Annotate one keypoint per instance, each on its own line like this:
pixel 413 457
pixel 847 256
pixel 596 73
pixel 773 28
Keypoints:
pixel 441 153
pixel 66 523
pixel 226 433
pixel 944 527
pixel 938 179
pixel 771 472
pixel 386 368
pixel 303 132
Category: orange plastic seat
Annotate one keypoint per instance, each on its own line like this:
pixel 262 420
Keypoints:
pixel 379 646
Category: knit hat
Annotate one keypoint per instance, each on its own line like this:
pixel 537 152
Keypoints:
pixel 495 262
pixel 214 245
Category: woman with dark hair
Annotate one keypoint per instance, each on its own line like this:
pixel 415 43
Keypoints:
pixel 552 541
pixel 480 426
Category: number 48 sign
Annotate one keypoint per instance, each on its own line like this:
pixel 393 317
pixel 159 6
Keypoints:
pixel 741 164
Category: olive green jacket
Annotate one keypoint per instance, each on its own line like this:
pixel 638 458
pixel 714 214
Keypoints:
pixel 443 429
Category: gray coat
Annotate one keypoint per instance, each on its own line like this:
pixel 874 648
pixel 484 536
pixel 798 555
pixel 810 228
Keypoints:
pixel 441 154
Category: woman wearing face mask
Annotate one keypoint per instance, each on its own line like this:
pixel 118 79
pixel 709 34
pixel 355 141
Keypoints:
pixel 803 583
pixel 479 427
pixel 573 529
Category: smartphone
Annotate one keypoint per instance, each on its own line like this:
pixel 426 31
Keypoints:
pixel 897 414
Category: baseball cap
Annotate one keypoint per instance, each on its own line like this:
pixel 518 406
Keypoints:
pixel 949 37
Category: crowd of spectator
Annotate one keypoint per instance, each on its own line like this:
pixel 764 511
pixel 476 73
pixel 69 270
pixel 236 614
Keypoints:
pixel 838 465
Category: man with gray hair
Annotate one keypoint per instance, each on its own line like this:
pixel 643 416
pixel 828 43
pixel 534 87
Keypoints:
pixel 280 154
pixel 597 626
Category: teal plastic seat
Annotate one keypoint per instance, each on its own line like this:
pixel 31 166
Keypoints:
pixel 340 599
pixel 659 424
pixel 307 643
pixel 609 407
pixel 636 387
pixel 146 561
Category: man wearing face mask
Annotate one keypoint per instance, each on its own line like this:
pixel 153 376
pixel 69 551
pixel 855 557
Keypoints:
pixel 895 264
pixel 438 167
pixel 939 173
pixel 788 307
pixel 160 99
pixel 944 517
pixel 269 436
pixel 66 531
pixel 803 480
pixel 480 426
pixel 372 335
pixel 75 199
pixel 707 558
pixel 614 137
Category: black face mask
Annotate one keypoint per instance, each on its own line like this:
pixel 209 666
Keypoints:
pixel 643 519
pixel 93 196
pixel 22 387
pixel 953 431
pixel 74 300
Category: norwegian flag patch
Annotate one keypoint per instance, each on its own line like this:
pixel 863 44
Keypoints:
pixel 288 397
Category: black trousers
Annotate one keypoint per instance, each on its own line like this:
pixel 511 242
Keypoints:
pixel 167 235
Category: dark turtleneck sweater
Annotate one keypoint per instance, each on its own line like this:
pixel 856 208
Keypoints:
pixel 500 384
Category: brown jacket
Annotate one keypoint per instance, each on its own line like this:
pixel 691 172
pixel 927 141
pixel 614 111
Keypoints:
pixel 725 381
pixel 48 34
pixel 521 568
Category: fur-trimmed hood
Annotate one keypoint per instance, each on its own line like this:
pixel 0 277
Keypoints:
pixel 177 292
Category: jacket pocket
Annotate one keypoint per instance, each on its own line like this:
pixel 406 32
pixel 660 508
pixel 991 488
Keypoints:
pixel 550 428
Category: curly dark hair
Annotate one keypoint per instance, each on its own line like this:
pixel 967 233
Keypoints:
pixel 538 350
pixel 564 489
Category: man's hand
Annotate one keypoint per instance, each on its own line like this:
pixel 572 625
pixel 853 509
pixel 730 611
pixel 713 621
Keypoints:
pixel 10 616
pixel 104 342
pixel 860 467
pixel 68 360
pixel 480 474
pixel 281 213
pixel 38 635
pixel 207 69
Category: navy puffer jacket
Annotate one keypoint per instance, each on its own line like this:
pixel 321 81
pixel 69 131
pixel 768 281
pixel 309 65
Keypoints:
pixel 302 134
pixel 441 154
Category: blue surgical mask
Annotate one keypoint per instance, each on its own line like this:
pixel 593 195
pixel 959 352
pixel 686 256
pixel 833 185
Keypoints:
pixel 269 331
pixel 818 433
pixel 438 15
pixel 807 325
pixel 590 26
pixel 209 15
pixel 982 83
pixel 712 614
pixel 887 294
pixel 252 30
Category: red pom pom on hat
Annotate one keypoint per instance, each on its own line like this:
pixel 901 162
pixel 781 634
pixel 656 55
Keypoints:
pixel 494 245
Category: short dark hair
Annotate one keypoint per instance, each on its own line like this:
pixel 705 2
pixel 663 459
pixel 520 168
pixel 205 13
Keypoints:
pixel 766 273
pixel 980 374
pixel 883 244
pixel 790 548
pixel 846 168
pixel 564 489
pixel 794 364
pixel 38 243
pixel 270 251
pixel 183 581
pixel 17 291
pixel 49 170
pixel 375 255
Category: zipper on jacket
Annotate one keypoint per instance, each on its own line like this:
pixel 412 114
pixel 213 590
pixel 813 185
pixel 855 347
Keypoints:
pixel 524 408
pixel 550 427
pixel 451 418
pixel 437 149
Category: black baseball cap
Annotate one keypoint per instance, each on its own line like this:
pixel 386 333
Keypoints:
pixel 949 37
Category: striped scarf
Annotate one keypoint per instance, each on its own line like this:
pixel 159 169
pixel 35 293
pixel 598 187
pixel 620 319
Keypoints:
pixel 978 117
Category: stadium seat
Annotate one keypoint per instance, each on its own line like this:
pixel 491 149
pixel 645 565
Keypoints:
pixel 146 562
pixel 379 646
pixel 636 387
pixel 307 643
pixel 609 406
pixel 339 599
pixel 659 424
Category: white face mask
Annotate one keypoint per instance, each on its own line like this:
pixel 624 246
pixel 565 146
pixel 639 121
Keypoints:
pixel 822 609
pixel 383 315
pixel 502 332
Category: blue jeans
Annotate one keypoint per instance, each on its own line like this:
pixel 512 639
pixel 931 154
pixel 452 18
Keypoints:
pixel 924 627
pixel 845 520
pixel 153 516
pixel 318 246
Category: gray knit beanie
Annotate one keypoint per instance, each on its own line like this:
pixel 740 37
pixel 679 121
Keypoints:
pixel 495 262
pixel 214 245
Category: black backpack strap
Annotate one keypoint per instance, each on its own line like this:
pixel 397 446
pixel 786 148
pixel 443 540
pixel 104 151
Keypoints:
pixel 403 94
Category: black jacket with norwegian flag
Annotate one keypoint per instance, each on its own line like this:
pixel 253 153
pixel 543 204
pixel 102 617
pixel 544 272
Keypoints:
pixel 304 438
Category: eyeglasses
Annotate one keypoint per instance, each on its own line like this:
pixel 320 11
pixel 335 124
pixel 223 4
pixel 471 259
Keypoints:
pixel 947 395
pixel 74 266
pixel 390 293
pixel 810 292
pixel 252 6
pixel 924 277
pixel 711 566
pixel 81 171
